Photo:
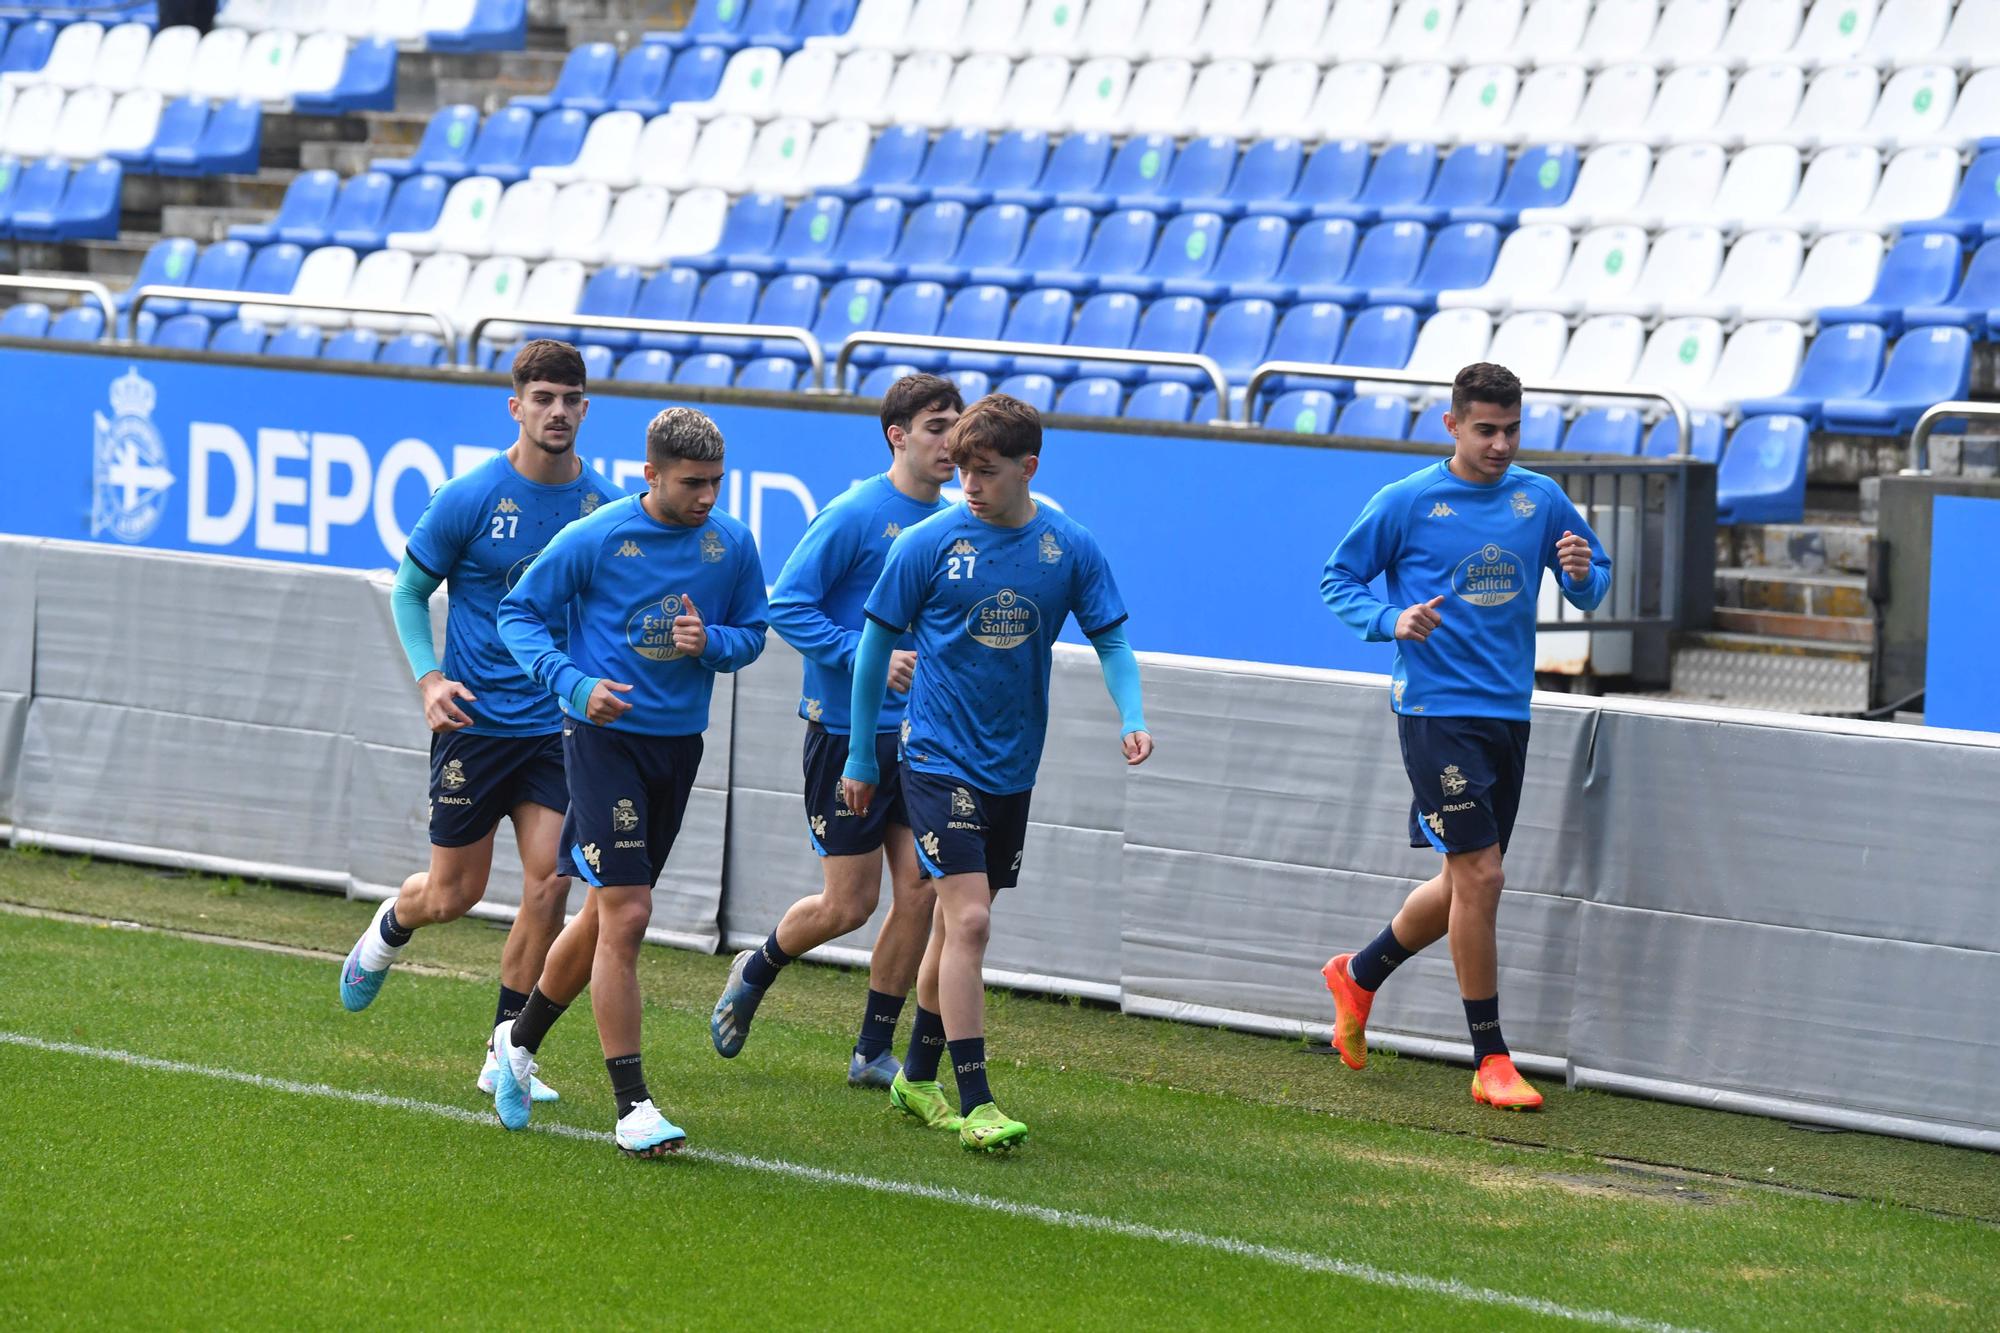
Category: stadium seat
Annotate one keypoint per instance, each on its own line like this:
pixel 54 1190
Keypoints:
pixel 776 161
pixel 1263 179
pixel 930 237
pixel 217 73
pixel 1055 243
pixel 1156 99
pixel 266 72
pixel 748 86
pixel 359 208
pixel 679 294
pixel 352 345
pixel 90 203
pixel 1759 360
pixel 31 122
pixel 1606 263
pixel 1541 427
pixel 1927 365
pixel 664 158
pixel 1447 342
pixel 463 221
pixel 693 225
pixel 911 307
pixel 1973 306
pixel 1309 332
pixel 1427 427
pixel 37 199
pixel 1605 430
pixel 1109 319
pixel 521 222
pixel 28 47
pixel 1604 350
pixel 299 341
pixel 557 142
pixel 315 70
pixel 867 231
pixel 648 365
pixel 1237 339
pixel 438 284
pixel 367 81
pixel 1609 184
pixel 498 150
pixel 1683 265
pixel 1762 100
pixel 1831 34
pixel 1014 162
pixel 494 288
pixel 707 370
pixel 181 333
pixel 1095 96
pixel 1139 169
pixel 1478 106
pixel 1303 412
pixel 1077 163
pixel 1092 396
pixel 1532 344
pixel 1685 181
pixel 894 160
pixel 610 293
pixel 992 238
pixel 722 153
pixel 1218 100
pixel 1460 256
pixel 446 140
pixel 382 277
pixel 1972 42
pixel 1541 178
pixel 132 126
pixel 637 83
pixel 1382 335
pixel 1389 254
pixel 1837 102
pixel 851 305
pixel 362 222
pixel 1319 256
pixel 808 232
pixel 835 158
pixel 1762 478
pixel 751 228
pixel 72 56
pixel 1915 106
pixel 1345 103
pixel 810 84
pixel 28 319
pixel 952 162
pixel 1682 356
pixel 971 312
pixel 1691 101
pixel 1547 106
pixel 1919 270
pixel 1185 252
pixel 1705 436
pixel 273 269
pixel 1842 362
pixel 1121 244
pixel 972 384
pixel 1037 391
pixel 324 275
pixel 79 131
pixel 1038 317
pixel 307 203
pixel 1530 264
pixel 1035 96
pixel 492 25
pixel 1760 183
pixel 79 323
pixel 1249 258
pixel 1470 177
pixel 792 301
pixel 1835 191
pixel 1379 416
pixel 1917 183
pixel 1617 30
pixel 1161 400
pixel 1975 209
pixel 1401 177
pixel 238 338
pixel 222 267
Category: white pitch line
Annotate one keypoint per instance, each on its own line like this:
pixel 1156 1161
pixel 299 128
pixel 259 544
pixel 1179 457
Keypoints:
pixel 1301 1260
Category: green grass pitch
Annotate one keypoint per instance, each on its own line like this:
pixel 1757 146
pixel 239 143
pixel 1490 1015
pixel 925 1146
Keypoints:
pixel 193 1132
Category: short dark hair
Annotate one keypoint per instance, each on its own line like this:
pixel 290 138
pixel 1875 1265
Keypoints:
pixel 1484 382
pixel 683 432
pixel 913 395
pixel 996 424
pixel 547 360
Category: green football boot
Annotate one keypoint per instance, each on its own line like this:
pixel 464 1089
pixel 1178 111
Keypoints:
pixel 988 1130
pixel 923 1101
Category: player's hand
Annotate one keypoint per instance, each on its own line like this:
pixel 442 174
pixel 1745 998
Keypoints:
pixel 1138 747
pixel 441 713
pixel 1573 554
pixel 902 670
pixel 1418 622
pixel 858 795
pixel 605 707
pixel 690 634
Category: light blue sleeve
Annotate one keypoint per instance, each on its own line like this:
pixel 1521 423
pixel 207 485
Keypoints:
pixel 1358 561
pixel 1586 595
pixel 1121 677
pixel 871 683
pixel 823 555
pixel 410 606
pixel 543 598
pixel 739 639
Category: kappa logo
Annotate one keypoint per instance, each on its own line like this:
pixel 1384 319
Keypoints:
pixel 591 856
pixel 963 546
pixel 813 710
pixel 506 506
pixel 1436 821
pixel 961 803
pixel 712 548
pixel 930 842
pixel 624 818
pixel 1524 505
pixel 453 776
pixel 905 736
pixel 819 827
pixel 894 530
pixel 1396 689
pixel 1453 780
pixel 1051 550
pixel 630 548
pixel 1442 510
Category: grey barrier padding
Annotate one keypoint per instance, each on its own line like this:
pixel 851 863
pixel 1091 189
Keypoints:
pixel 13 722
pixel 1733 1007
pixel 17 657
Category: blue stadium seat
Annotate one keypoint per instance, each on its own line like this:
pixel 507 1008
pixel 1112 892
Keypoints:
pixel 296 340
pixel 446 140
pixel 913 307
pixel 597 361
pixel 1076 165
pixel 1319 256
pixel 1201 170
pixel 1401 175
pixel 750 228
pixel 1973 306
pixel 781 23
pixel 1460 255
pixel 1013 163
pixel 853 304
pixel 169 263
pixel 10 175
pixel 791 299
pixel 28 47
pixel 1376 416
pixel 231 142
pixel 696 75
pixel 554 142
pixel 954 159
pixel 810 232
pixel 1541 178
pixel 1605 430
pixel 367 82
pixel 709 369
pixel 648 365
pixel 497 151
pixel 1248 259
pixel 1311 332
pixel 422 350
pixel 1381 335
pixel 929 237
pixel 1333 176
pixel 1541 427
pixel 610 294
pixel 1389 255
pixel 274 269
pixel 366 345
pixel 1037 391
pixel 497 25
pixel 29 319
pixel 1056 244
pixel 415 206
pixel 713 22
pixel 1927 366
pixel 870 231
pixel 679 293
pixel 1918 270
pixel 1093 396
pixel 181 333
pixel 1121 244
pixel 1705 432
pixel 972 384
pixel 238 337
pixel 1170 324
pixel 1762 478
pixel 1185 252
pixel 641 82
pixel 1161 400
pixel 360 213
pixel 79 324
pixel 992 239
pixel 585 79
pixel 307 202
pixel 177 139
pixel 38 198
pixel 881 379
pixel 893 161
pixel 222 267
pixel 1470 177
pixel 1428 428
pixel 1302 411
pixel 1975 209
pixel 824 18
pixel 1139 167
pixel 1844 361
pixel 1038 317
pixel 90 206
pixel 1238 339
pixel 1109 319
pixel 971 312
pixel 1265 177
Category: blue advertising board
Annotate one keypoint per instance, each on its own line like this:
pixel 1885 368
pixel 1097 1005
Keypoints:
pixel 1218 545
pixel 1964 638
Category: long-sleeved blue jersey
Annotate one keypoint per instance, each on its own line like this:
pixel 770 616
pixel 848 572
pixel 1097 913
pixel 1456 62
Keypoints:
pixel 622 576
pixel 1483 548
pixel 817 602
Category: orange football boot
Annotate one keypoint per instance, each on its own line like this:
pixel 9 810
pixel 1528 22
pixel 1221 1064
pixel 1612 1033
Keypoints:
pixel 1498 1083
pixel 1350 1012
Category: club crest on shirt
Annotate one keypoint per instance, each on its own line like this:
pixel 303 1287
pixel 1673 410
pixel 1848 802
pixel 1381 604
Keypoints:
pixel 624 818
pixel 650 631
pixel 1051 551
pixel 1490 576
pixel 712 549
pixel 1004 620
pixel 1524 506
pixel 589 504
pixel 453 776
pixel 1453 780
pixel 813 710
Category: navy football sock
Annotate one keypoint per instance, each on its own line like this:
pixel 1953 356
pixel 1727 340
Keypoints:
pixel 968 1061
pixel 878 1024
pixel 1483 1018
pixel 926 1046
pixel 1371 966
pixel 762 969
pixel 511 1004
pixel 394 933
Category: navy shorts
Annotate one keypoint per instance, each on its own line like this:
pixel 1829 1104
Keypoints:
pixel 834 829
pixel 627 793
pixel 476 781
pixel 1466 775
pixel 962 830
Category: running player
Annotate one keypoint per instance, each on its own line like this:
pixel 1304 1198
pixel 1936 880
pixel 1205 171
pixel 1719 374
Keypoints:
pixel 816 606
pixel 1464 543
pixel 987 585
pixel 495 749
pixel 663 591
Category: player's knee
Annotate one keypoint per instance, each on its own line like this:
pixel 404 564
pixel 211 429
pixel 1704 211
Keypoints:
pixel 452 896
pixel 971 924
pixel 1479 881
pixel 624 922
pixel 545 895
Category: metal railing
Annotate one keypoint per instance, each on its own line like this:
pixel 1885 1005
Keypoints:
pixel 792 332
pixel 1060 351
pixel 1675 403
pixel 1920 437
pixel 162 292
pixel 76 286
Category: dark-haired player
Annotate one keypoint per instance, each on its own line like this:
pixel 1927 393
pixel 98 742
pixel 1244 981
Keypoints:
pixel 816 605
pixel 1464 543
pixel 496 749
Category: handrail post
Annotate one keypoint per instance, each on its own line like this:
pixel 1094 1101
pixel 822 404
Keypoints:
pixel 1919 461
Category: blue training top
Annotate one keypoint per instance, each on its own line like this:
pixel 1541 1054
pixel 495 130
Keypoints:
pixel 622 575
pixel 1484 549
pixel 987 604
pixel 479 532
pixel 817 602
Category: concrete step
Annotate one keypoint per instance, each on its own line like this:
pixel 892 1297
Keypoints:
pixel 1753 670
pixel 1792 625
pixel 1844 460
pixel 149 196
pixel 111 262
pixel 349 159
pixel 1793 592
pixel 1824 542
pixel 204 223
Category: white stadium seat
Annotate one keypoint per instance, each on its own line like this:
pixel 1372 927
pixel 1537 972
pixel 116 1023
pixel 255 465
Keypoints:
pixel 1833 34
pixel 1169 29
pixel 1411 103
pixel 609 152
pixel 1545 110
pixel 1604 350
pixel 319 63
pixel 917 93
pixel 1110 28
pixel 861 87
pixel 1282 101
pixel 1685 178
pixel 777 159
pixel 554 288
pixel 493 289
pixel 1220 98
pixel 439 284
pixel 1760 267
pixel 1682 261
pixel 1839 270
pixel 7 94
pixel 934 26
pixel 218 64
pixel 1530 264
pixel 1976 113
pixel 1232 31
pixel 991 26
pixel 1763 98
pixel 1606 263
pixel 978 83
pixel 120 57
pixel 1420 31
pixel 1760 360
pixel 1689 103
pixel 31 124
pixel 1618 31
pixel 666 150
pixel 1915 106
pixel 382 278
pixel 1917 183
pixel 134 122
pixel 71 59
pixel 1835 192
pixel 462 223
pixel 1688 32
pixel 251 15
pixel 521 223
pixel 1609 184
pixel 325 275
pixel 1035 95
pixel 1550 34
pixel 1761 182
pixel 1153 103
pixel 749 86
pixel 838 153
pixel 1616 106
pixel 1051 28
pixel 446 15
pixel 79 134
pixel 695 223
pixel 1973 41
pixel 1760 31
pixel 1096 96
pixel 266 74
pixel 1531 344
pixel 1907 31
pixel 575 223
pixel 633 230
pixel 1290 29
pixel 1346 101
pixel 723 150
pixel 1837 104
pixel 1449 341
pixel 398 20
pixel 1354 30
pixel 1477 109
pixel 878 24
pixel 1680 356
pixel 1485 28
pixel 170 61
pixel 805 81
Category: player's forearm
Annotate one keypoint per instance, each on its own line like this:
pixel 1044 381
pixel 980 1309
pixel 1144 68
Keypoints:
pixel 410 607
pixel 732 647
pixel 1357 607
pixel 871 683
pixel 1586 595
pixel 534 650
pixel 810 630
pixel 1121 677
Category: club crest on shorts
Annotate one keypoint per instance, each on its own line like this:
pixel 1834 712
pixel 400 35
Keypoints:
pixel 650 632
pixel 1454 781
pixel 623 817
pixel 1051 550
pixel 453 776
pixel 712 549
pixel 961 803
pixel 1524 507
